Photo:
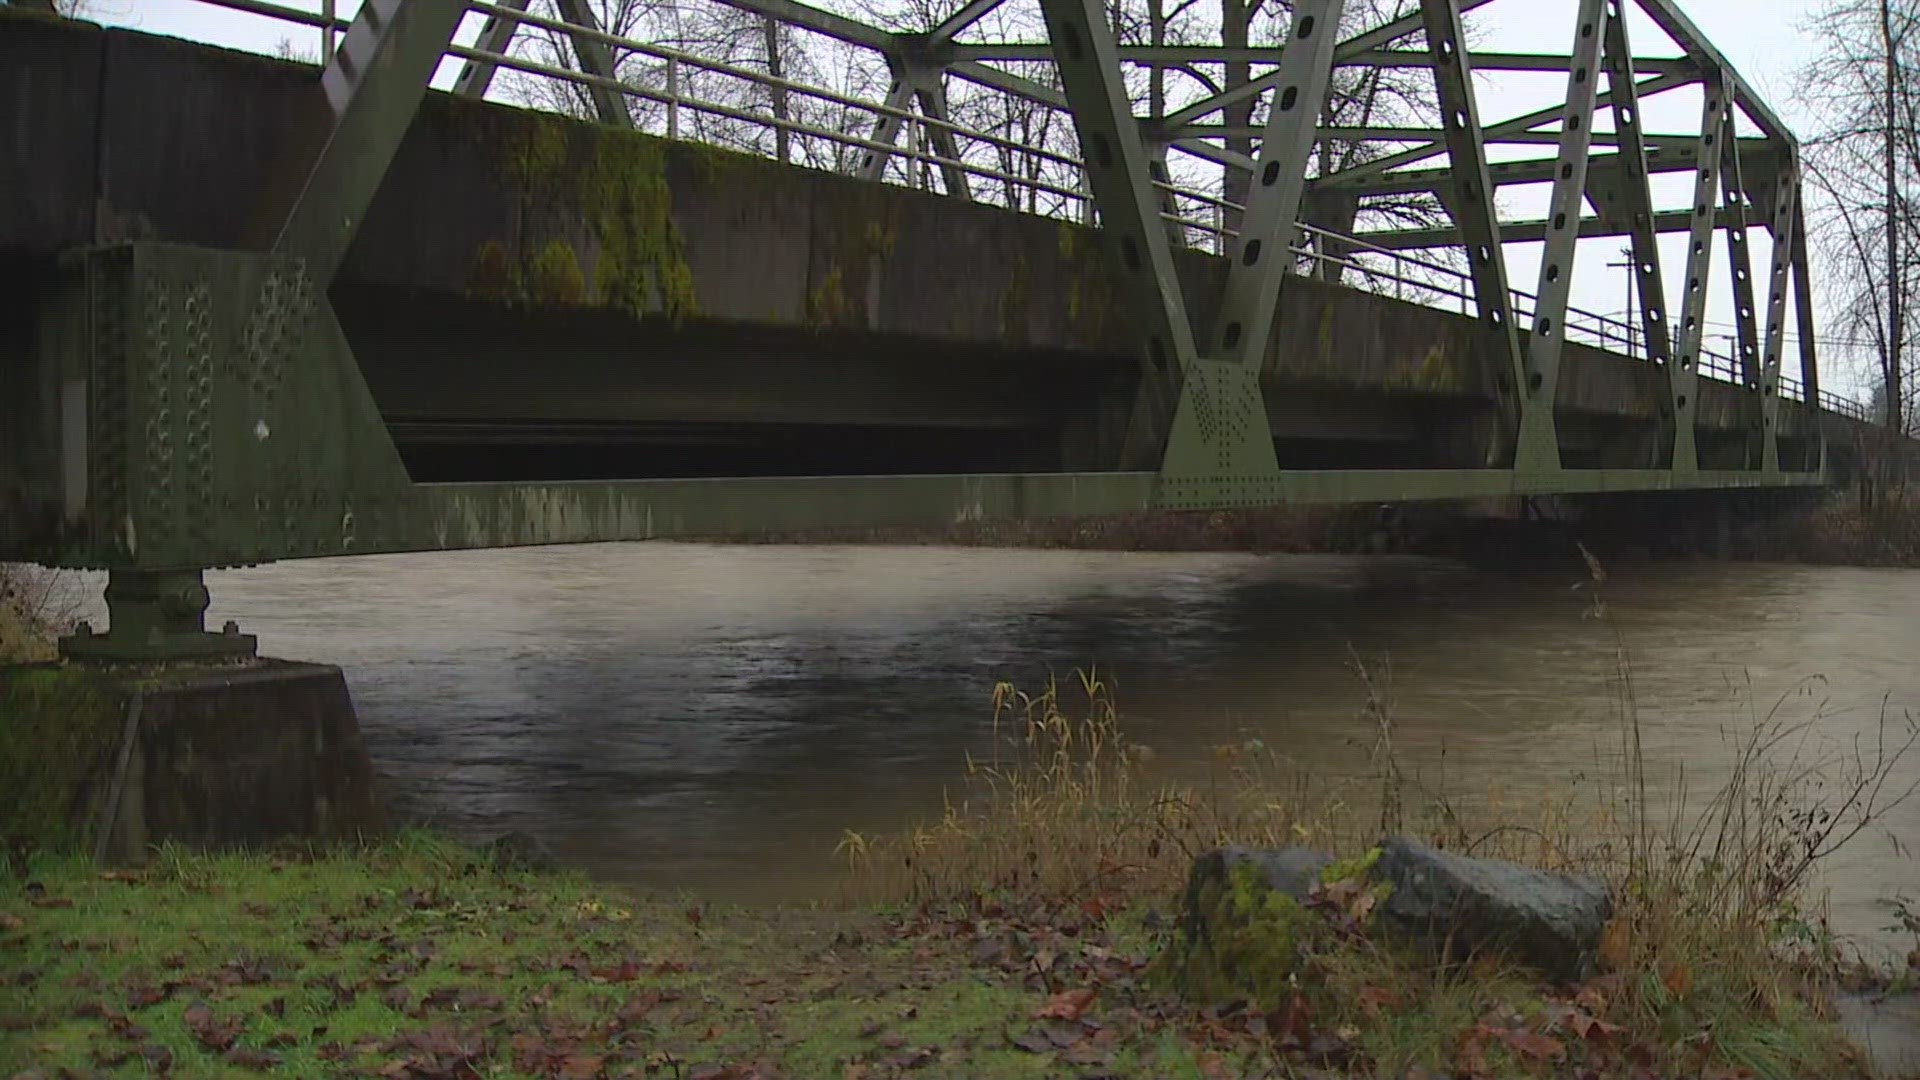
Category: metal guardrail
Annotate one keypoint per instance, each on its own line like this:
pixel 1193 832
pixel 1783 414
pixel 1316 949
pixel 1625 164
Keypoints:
pixel 1018 182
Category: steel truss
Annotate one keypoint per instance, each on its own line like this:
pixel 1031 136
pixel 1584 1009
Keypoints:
pixel 256 478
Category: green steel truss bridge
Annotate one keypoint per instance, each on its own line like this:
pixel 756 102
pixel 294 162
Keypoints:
pixel 259 310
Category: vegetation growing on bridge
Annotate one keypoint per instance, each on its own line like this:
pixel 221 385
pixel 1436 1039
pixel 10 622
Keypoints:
pixel 573 182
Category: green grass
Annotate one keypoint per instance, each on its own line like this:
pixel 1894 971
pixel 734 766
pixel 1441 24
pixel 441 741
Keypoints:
pixel 370 958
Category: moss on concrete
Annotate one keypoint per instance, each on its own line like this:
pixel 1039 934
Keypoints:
pixel 1092 296
pixel 838 299
pixel 555 279
pixel 59 728
pixel 577 182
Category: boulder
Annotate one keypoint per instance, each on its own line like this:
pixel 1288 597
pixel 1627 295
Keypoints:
pixel 1293 871
pixel 1252 917
pixel 1548 921
pixel 520 851
pixel 1246 929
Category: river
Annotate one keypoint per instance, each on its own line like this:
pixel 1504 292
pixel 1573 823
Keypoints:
pixel 711 717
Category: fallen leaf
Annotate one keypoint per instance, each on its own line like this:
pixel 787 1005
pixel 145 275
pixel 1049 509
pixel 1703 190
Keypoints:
pixel 52 901
pixel 1588 1027
pixel 1376 999
pixel 1033 1042
pixel 1067 1005
pixel 157 1057
pixel 11 922
pixel 1616 945
pixel 1678 979
pixel 209 1031
pixel 257 1060
pixel 1533 1044
pixel 892 1040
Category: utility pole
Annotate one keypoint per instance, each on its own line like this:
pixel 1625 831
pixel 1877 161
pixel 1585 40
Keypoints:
pixel 1633 274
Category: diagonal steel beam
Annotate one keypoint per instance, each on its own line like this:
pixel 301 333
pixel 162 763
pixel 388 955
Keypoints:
pixel 1262 257
pixel 1681 377
pixel 1539 439
pixel 1667 15
pixel 1648 88
pixel 886 126
pixel 1117 171
pixel 808 17
pixel 496 36
pixel 1524 232
pixel 1005 81
pixel 1472 201
pixel 590 51
pixel 932 94
pixel 594 58
pixel 1635 185
pixel 1352 47
pixel 374 86
pixel 965 17
pixel 1786 208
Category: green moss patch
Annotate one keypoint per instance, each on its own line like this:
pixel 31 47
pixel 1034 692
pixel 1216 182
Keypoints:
pixel 576 182
pixel 59 728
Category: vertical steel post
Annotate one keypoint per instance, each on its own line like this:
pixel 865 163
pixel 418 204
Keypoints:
pixel 1472 204
pixel 1539 439
pixel 1263 255
pixel 1682 377
pixel 1786 203
pixel 1804 324
pixel 673 98
pixel 1733 185
pixel 1118 176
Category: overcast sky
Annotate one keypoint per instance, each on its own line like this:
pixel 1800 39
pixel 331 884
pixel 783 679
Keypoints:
pixel 1766 40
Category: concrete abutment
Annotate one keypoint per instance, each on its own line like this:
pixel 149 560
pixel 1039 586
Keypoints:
pixel 111 759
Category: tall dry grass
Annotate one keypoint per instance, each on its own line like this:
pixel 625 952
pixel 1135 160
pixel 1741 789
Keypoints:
pixel 1717 925
pixel 33 606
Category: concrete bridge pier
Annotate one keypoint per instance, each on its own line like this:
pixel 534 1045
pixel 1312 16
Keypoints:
pixel 157 730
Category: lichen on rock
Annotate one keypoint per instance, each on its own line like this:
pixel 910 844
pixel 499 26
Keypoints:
pixel 1245 934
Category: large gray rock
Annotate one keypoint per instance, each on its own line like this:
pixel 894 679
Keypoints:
pixel 1293 871
pixel 1547 921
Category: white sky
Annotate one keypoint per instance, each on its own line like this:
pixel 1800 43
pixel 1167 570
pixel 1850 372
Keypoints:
pixel 1765 40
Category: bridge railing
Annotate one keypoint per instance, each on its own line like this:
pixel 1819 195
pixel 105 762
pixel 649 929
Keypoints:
pixel 698 98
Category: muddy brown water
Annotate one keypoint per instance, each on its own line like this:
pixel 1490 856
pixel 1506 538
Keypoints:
pixel 711 717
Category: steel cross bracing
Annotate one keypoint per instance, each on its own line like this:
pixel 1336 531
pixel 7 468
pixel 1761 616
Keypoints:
pixel 965 64
pixel 1032 104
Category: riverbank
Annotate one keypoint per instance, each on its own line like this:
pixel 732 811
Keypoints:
pixel 419 958
pixel 1834 530
pixel 1023 934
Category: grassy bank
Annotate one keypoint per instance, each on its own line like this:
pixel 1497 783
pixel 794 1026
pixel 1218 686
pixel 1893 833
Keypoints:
pixel 1024 934
pixel 420 958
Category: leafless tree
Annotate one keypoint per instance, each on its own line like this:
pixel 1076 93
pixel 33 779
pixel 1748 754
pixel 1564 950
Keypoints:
pixel 1863 165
